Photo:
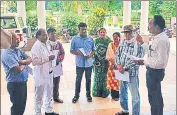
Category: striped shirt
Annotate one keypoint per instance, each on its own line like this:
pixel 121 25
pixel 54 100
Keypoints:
pixel 130 47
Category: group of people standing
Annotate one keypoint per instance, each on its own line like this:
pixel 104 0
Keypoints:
pixel 102 56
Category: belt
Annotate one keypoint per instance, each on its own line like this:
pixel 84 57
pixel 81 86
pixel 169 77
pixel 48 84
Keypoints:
pixel 154 69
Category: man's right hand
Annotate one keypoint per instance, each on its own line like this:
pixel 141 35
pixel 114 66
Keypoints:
pixel 51 57
pixel 139 39
pixel 121 69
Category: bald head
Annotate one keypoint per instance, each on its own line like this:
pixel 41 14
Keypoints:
pixel 41 35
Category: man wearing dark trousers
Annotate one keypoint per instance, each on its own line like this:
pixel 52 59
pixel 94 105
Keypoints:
pixel 158 53
pixel 57 49
pixel 15 62
pixel 82 46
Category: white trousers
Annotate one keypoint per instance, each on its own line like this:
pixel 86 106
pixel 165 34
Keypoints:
pixel 45 91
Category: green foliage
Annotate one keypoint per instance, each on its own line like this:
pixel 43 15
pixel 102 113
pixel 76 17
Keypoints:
pixel 32 22
pixel 154 8
pixel 96 20
pixel 165 8
pixel 136 5
pixel 70 21
pixel 31 5
pixel 50 22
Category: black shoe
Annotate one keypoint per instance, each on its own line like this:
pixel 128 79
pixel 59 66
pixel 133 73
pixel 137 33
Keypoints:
pixel 75 99
pixel 89 99
pixel 53 113
pixel 58 100
pixel 122 113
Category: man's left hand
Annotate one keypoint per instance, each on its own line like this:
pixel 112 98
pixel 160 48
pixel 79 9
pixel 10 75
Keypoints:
pixel 139 62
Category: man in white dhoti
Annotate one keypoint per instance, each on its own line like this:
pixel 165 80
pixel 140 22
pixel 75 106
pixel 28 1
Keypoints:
pixel 59 53
pixel 43 74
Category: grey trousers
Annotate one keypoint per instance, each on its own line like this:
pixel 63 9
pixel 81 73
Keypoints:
pixel 153 82
pixel 56 82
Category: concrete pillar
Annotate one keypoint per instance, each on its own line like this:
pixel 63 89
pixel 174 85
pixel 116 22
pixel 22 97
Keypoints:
pixel 21 10
pixel 126 12
pixel 144 18
pixel 41 14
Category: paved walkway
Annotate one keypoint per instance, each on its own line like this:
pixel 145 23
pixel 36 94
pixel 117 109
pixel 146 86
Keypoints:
pixel 99 106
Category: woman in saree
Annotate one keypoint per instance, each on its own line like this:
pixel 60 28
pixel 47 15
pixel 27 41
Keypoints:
pixel 112 83
pixel 101 65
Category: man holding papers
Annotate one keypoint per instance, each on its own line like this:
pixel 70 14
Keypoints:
pixel 129 47
pixel 156 63
pixel 59 53
pixel 83 47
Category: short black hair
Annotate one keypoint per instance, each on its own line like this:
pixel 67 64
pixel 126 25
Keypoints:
pixel 51 30
pixel 82 25
pixel 117 33
pixel 159 21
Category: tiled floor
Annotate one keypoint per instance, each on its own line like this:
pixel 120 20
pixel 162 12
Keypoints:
pixel 99 106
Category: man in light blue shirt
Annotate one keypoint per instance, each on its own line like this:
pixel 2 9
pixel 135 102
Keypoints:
pixel 15 62
pixel 83 62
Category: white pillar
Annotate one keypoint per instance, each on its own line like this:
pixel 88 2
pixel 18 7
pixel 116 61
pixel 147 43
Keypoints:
pixel 41 13
pixel 126 12
pixel 21 10
pixel 144 17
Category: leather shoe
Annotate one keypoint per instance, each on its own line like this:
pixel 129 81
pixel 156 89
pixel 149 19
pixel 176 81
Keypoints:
pixel 53 113
pixel 58 100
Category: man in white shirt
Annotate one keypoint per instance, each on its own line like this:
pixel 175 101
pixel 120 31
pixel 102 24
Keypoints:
pixel 43 77
pixel 156 63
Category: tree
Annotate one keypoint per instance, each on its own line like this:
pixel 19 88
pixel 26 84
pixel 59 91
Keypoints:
pixel 96 20
pixel 70 21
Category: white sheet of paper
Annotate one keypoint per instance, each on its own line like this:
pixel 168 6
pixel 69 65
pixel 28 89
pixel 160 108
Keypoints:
pixel 58 70
pixel 123 77
pixel 132 57
pixel 82 50
pixel 55 52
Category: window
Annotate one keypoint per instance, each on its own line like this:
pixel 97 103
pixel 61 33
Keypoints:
pixel 8 22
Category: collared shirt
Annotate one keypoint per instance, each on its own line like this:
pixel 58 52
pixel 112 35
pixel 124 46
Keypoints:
pixel 42 65
pixel 88 45
pixel 158 52
pixel 10 58
pixel 130 47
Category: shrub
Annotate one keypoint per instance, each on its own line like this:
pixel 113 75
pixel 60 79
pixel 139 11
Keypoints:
pixel 70 21
pixel 96 20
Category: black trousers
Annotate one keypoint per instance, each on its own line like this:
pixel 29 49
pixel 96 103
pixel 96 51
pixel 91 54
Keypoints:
pixel 153 81
pixel 79 74
pixel 56 81
pixel 18 96
pixel 114 94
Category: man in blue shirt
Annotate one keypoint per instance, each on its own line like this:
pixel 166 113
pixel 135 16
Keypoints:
pixel 83 47
pixel 15 63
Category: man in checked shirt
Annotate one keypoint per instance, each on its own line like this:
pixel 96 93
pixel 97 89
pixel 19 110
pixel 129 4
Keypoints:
pixel 129 46
pixel 156 63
